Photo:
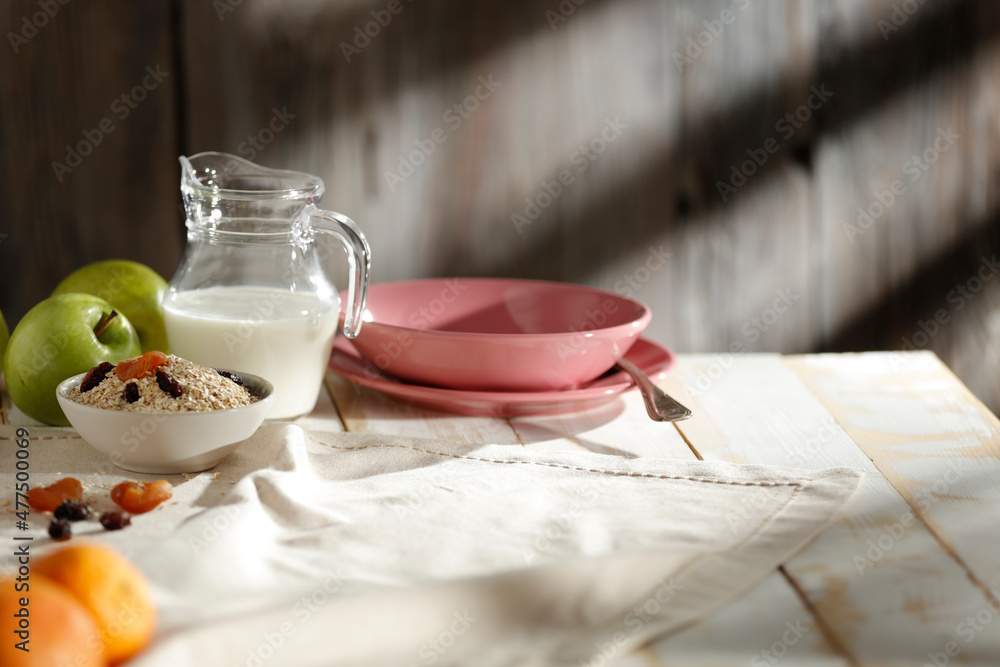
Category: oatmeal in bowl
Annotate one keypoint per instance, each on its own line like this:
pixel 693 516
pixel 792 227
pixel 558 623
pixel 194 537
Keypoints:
pixel 159 413
pixel 157 382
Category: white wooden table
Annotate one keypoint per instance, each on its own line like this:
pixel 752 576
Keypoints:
pixel 910 575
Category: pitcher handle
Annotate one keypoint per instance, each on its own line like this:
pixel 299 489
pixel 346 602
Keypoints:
pixel 356 246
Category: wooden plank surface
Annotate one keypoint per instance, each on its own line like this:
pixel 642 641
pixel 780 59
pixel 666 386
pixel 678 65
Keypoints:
pixel 695 116
pixel 938 446
pixel 92 89
pixel 271 80
pixel 758 411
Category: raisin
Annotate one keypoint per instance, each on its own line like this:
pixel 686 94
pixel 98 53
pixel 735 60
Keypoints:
pixel 131 392
pixel 141 366
pixel 47 498
pixel 96 375
pixel 60 530
pixel 115 520
pixel 73 510
pixel 232 376
pixel 139 497
pixel 168 384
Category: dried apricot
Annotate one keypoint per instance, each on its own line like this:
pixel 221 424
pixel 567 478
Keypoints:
pixel 140 497
pixel 47 498
pixel 141 366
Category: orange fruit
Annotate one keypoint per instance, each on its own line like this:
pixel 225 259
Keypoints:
pixel 60 631
pixel 111 588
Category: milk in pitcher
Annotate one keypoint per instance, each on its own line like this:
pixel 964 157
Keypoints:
pixel 282 336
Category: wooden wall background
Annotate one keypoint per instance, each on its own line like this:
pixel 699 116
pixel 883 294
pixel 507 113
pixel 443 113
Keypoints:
pixel 897 74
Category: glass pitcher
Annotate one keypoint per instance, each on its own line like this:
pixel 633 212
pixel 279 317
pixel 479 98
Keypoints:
pixel 251 293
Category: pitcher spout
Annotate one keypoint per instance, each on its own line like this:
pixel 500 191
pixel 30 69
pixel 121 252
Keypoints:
pixel 220 187
pixel 221 173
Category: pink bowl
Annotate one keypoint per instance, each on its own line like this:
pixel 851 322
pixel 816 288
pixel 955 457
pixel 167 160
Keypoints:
pixel 486 334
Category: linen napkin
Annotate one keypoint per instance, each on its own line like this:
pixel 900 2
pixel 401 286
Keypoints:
pixel 315 548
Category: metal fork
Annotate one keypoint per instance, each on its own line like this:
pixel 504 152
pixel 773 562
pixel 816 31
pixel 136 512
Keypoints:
pixel 659 405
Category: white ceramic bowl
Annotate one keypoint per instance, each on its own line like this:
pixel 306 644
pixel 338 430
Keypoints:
pixel 167 442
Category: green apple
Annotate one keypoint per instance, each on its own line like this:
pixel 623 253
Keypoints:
pixel 4 337
pixel 133 288
pixel 60 337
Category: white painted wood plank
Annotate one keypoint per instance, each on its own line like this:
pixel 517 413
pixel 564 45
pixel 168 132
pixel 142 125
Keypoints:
pixel 620 428
pixel 755 409
pixel 767 626
pixel 940 448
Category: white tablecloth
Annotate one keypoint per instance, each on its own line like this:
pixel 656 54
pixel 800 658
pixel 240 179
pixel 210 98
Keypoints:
pixel 314 548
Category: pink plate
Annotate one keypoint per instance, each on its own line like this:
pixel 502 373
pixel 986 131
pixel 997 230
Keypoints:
pixel 497 334
pixel 655 360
